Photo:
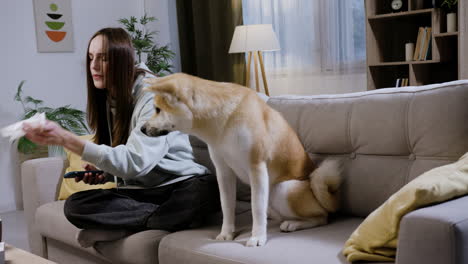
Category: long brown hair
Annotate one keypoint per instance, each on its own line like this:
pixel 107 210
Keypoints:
pixel 120 76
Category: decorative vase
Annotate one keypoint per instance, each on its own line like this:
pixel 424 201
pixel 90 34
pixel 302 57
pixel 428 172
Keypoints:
pixel 409 51
pixel 451 22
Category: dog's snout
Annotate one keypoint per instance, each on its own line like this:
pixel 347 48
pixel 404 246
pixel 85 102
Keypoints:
pixel 153 132
pixel 143 129
pixel 163 132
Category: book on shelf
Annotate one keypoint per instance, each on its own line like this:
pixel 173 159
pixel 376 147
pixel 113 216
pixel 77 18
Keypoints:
pixel 423 43
pixel 427 48
pixel 417 48
pixel 401 82
pixel 426 44
pixel 422 49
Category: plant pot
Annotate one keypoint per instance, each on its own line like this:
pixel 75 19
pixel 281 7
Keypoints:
pixel 56 151
pixel 451 22
pixel 41 152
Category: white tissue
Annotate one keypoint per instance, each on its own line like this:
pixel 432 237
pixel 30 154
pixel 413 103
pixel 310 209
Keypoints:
pixel 15 130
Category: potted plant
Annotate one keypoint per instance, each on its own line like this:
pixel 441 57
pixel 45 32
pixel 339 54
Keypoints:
pixel 450 7
pixel 68 118
pixel 158 58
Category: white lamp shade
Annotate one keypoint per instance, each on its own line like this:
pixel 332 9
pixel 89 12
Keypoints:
pixel 254 38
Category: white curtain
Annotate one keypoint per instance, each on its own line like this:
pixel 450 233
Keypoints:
pixel 316 36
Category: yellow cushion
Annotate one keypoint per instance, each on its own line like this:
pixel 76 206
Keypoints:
pixel 69 186
pixel 376 238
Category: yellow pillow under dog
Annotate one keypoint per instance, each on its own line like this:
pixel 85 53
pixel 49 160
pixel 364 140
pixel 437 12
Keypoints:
pixel 69 186
pixel 376 238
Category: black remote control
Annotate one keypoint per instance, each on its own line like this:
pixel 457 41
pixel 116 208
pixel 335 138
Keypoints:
pixel 73 174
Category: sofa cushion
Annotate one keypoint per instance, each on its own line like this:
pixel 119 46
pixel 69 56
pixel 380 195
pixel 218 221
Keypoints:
pixel 387 137
pixel 141 247
pixel 317 245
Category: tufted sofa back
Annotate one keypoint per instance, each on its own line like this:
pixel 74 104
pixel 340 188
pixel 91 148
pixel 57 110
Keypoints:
pixel 386 137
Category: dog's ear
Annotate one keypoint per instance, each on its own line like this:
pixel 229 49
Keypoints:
pixel 165 101
pixel 174 88
pixel 161 85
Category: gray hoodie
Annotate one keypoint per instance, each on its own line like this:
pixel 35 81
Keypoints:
pixel 146 161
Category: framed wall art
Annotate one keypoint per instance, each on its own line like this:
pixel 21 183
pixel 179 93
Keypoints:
pixel 54 29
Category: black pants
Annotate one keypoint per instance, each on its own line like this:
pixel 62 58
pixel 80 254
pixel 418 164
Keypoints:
pixel 173 207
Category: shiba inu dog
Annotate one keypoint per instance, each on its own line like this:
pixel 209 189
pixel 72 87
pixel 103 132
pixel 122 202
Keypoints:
pixel 248 139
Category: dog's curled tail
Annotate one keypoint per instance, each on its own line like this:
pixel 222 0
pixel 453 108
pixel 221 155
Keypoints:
pixel 325 182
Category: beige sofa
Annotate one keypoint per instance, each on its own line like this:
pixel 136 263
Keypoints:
pixel 386 137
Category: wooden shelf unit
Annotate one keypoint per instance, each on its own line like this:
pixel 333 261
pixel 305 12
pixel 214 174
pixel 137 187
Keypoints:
pixel 386 36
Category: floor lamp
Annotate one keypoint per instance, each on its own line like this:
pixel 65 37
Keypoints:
pixel 254 39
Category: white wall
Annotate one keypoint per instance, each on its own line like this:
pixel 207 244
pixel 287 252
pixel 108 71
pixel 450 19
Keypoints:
pixel 166 15
pixel 56 78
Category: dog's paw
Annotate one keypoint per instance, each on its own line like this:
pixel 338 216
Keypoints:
pixel 290 226
pixel 256 241
pixel 225 236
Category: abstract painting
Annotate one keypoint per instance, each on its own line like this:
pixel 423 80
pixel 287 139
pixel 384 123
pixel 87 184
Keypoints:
pixel 54 30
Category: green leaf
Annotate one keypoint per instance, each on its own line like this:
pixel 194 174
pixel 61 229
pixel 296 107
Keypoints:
pixel 123 21
pixel 70 119
pixel 19 91
pixel 44 109
pixel 145 19
pixel 26 146
pixel 30 113
pixel 29 99
pixel 159 59
pixel 449 5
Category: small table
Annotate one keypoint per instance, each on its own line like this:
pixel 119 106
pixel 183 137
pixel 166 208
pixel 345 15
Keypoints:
pixel 18 256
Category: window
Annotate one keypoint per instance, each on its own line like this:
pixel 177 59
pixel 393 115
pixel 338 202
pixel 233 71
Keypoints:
pixel 315 36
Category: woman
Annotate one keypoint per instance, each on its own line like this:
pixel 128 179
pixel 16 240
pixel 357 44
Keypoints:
pixel 159 184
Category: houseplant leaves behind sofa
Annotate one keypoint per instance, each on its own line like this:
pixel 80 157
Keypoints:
pixel 449 5
pixel 67 117
pixel 158 58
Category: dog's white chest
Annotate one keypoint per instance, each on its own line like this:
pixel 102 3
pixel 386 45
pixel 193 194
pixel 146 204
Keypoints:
pixel 236 150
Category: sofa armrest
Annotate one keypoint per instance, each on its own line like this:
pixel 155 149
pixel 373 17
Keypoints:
pixel 41 179
pixel 435 234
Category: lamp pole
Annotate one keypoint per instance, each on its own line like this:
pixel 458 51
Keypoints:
pixel 247 72
pixel 265 84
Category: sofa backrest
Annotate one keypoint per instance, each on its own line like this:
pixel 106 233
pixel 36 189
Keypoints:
pixel 202 156
pixel 386 137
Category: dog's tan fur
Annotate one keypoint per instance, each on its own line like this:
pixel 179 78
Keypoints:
pixel 234 120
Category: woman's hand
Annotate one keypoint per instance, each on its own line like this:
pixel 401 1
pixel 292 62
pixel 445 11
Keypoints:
pixel 50 134
pixel 53 134
pixel 91 178
pixel 90 167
